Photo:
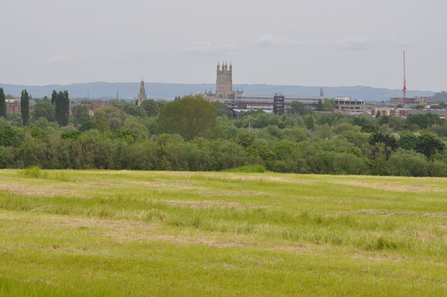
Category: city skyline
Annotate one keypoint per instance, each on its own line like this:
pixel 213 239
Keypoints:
pixel 322 43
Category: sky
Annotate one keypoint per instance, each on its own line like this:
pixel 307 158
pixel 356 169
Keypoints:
pixel 282 42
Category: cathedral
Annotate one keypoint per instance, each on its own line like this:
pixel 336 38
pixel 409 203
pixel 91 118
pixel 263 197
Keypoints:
pixel 142 96
pixel 224 84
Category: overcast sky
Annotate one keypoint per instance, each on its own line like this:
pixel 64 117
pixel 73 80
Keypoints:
pixel 308 43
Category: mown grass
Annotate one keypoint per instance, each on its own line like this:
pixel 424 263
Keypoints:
pixel 123 233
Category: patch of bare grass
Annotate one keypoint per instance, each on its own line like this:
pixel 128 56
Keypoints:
pixel 235 176
pixel 47 191
pixel 388 213
pixel 392 187
pixel 204 203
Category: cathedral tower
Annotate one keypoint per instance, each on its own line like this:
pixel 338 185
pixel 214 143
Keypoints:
pixel 142 95
pixel 224 81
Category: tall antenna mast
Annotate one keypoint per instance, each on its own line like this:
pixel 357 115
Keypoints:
pixel 404 90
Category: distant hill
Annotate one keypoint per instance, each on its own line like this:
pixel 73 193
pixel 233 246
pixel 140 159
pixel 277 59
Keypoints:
pixel 129 91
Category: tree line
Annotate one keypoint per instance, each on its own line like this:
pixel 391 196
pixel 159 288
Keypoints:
pixel 194 134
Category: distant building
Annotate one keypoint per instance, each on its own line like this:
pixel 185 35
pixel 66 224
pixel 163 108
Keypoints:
pixel 409 101
pixel 142 96
pixel 346 105
pixel 278 104
pixel 404 112
pixel 442 113
pixel 266 102
pixel 98 104
pixel 13 105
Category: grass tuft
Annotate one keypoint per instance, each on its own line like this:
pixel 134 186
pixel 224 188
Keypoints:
pixel 248 169
pixel 33 172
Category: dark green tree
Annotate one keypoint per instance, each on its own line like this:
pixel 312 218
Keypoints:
pixel 369 128
pixel 320 105
pixel 423 120
pixel 222 109
pixel 54 97
pixel 87 126
pixel 62 107
pixel 44 109
pixel 161 103
pixel 24 107
pixel 245 139
pixel 189 117
pixel 2 103
pixel 299 108
pixel 408 141
pixel 8 135
pixel 429 145
pixel 310 122
pixel 80 114
pixel 388 142
pixel 135 110
pixel 151 107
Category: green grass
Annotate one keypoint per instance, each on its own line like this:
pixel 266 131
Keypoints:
pixel 126 233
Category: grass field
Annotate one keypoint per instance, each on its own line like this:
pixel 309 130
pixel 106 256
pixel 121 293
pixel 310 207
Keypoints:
pixel 134 233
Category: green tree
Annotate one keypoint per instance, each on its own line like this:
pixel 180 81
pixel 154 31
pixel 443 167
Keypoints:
pixel 2 103
pixel 295 134
pixel 151 107
pixel 222 109
pixel 62 107
pixel 329 104
pixel 297 107
pixel 44 109
pixel 8 135
pixel 408 141
pixel 161 103
pixel 340 128
pixel 310 122
pixel 135 110
pixel 24 107
pixel 423 120
pixel 378 114
pixel 188 117
pixel 369 128
pixel 408 163
pixel 54 97
pixel 428 144
pixel 320 105
pixel 80 114
pixel 388 144
pixel 89 125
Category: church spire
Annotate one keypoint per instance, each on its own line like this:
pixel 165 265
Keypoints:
pixel 142 95
pixel 142 90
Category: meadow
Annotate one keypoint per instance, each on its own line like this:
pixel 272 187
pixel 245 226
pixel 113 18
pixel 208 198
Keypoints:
pixel 163 233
